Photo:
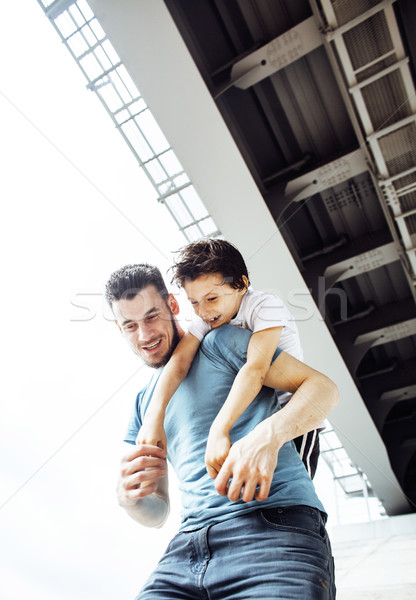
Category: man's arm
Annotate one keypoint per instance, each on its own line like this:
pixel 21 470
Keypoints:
pixel 252 459
pixel 148 505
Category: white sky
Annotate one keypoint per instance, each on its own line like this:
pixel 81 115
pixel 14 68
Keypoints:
pixel 69 379
pixel 67 384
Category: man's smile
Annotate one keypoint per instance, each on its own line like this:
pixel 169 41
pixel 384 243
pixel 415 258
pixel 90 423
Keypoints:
pixel 152 347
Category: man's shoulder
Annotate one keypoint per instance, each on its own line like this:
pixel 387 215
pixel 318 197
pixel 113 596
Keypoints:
pixel 227 335
pixel 148 387
pixel 226 343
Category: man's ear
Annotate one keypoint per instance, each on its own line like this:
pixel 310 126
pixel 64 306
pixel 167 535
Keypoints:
pixel 173 304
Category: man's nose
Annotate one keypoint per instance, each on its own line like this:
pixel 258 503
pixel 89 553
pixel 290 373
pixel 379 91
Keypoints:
pixel 145 332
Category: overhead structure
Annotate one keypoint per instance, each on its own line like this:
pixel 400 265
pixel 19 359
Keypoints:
pixel 296 120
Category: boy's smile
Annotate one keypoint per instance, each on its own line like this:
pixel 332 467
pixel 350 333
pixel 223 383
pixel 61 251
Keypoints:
pixel 214 300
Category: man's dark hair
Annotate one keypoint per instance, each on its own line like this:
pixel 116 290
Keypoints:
pixel 209 256
pixel 128 281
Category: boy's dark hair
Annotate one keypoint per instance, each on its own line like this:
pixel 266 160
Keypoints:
pixel 128 281
pixel 208 256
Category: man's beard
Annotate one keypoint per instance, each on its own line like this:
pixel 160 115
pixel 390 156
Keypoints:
pixel 165 359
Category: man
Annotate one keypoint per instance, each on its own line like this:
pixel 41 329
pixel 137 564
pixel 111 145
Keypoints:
pixel 257 531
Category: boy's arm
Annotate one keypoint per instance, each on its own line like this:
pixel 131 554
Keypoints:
pixel 142 488
pixel 252 459
pixel 173 374
pixel 246 386
pixel 251 377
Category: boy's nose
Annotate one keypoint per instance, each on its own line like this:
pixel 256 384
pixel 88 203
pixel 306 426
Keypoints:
pixel 203 313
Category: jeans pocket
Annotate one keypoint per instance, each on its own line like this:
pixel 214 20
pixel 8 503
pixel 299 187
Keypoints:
pixel 297 518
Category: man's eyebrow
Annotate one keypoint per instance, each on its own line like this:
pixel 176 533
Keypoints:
pixel 149 312
pixel 126 321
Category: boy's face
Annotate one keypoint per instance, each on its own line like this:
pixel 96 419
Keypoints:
pixel 213 300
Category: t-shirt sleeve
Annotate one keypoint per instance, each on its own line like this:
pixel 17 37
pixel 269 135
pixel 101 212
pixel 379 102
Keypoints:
pixel 143 399
pixel 269 311
pixel 135 422
pixel 198 327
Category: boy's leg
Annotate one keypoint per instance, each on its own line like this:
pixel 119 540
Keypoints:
pixel 308 447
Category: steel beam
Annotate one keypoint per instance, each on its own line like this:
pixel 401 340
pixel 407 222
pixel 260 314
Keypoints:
pixel 379 75
pixel 390 333
pixel 358 247
pixel 361 263
pixel 337 171
pixel 381 406
pixel 385 324
pixel 276 55
pixel 280 196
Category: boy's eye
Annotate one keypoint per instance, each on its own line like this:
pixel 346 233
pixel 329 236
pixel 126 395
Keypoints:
pixel 212 299
pixel 151 317
pixel 194 303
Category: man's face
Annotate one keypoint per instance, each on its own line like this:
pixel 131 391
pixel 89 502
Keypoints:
pixel 148 324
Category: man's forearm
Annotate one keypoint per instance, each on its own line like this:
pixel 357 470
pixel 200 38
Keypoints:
pixel 252 459
pixel 306 410
pixel 151 511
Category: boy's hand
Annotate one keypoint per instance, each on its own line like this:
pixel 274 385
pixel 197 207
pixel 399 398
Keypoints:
pixel 152 432
pixel 218 447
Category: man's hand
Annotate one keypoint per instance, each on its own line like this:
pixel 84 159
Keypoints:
pixel 250 463
pixel 143 464
pixel 218 447
pixel 152 432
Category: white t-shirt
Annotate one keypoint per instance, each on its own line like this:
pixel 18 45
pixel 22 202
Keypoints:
pixel 259 311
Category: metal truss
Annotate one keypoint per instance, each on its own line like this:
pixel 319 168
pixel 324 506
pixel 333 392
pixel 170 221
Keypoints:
pixel 379 82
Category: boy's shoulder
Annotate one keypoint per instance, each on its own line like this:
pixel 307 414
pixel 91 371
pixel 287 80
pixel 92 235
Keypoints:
pixel 253 296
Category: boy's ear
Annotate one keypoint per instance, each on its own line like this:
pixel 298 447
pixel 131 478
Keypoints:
pixel 246 284
pixel 173 304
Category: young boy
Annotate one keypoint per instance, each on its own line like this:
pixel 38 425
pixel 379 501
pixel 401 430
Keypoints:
pixel 215 278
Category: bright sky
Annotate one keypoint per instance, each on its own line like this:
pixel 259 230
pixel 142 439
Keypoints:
pixel 66 177
pixel 75 207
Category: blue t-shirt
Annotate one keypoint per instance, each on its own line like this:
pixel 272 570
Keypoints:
pixel 189 416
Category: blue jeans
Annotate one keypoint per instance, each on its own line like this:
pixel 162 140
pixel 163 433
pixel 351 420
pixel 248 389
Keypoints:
pixel 266 554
